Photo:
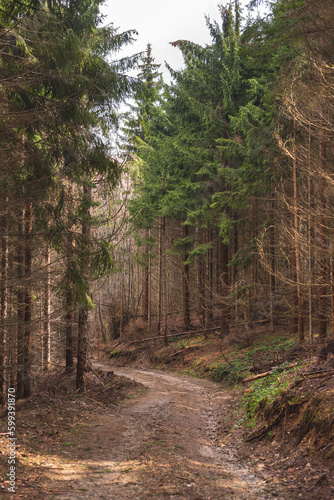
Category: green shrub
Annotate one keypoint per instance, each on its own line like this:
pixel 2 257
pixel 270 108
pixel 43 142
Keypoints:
pixel 263 392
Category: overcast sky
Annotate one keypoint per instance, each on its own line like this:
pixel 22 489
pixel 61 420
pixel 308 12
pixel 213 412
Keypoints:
pixel 161 22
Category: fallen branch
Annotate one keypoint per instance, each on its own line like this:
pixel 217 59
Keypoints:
pixel 265 374
pixel 184 349
pixel 191 332
pixel 96 402
pixel 319 375
pixel 256 377
pixel 307 374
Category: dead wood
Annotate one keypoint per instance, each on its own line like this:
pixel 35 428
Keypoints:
pixel 187 348
pixel 255 377
pixel 265 374
pixel 191 332
pixel 318 372
pixel 322 374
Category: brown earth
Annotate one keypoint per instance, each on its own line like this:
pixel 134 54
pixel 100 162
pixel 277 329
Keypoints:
pixel 178 438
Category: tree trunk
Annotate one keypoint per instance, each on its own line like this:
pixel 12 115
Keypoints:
pixel 272 280
pixel 69 316
pixel 246 311
pixel 210 280
pixel 186 284
pixel 82 350
pixel 69 354
pixel 82 354
pixel 299 297
pixel 200 282
pixel 149 307
pixel 252 267
pixel 322 305
pixel 28 303
pixel 20 310
pixel 160 286
pixel 146 279
pixel 225 312
pixel 102 326
pixel 164 281
pixel 332 286
pixel 122 307
pixel 46 312
pixel 309 240
pixel 24 304
pixel 3 306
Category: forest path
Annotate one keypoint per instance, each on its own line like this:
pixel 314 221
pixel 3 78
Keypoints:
pixel 163 445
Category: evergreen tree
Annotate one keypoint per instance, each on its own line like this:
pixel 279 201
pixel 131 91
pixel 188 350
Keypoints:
pixel 61 99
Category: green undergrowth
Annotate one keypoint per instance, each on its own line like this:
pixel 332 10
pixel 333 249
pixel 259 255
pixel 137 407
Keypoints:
pixel 264 391
pixel 129 354
pixel 235 364
pixel 209 358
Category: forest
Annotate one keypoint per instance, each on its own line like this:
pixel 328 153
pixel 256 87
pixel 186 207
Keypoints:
pixel 210 207
pixel 186 223
pixel 207 204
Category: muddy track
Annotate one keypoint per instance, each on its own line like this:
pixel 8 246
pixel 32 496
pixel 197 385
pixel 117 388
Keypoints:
pixel 181 414
pixel 165 444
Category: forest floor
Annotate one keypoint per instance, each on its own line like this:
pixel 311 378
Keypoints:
pixel 142 433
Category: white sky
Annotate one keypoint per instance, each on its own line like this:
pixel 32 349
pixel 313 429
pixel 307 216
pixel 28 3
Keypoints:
pixel 161 22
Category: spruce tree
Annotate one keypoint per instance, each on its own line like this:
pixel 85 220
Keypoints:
pixel 61 100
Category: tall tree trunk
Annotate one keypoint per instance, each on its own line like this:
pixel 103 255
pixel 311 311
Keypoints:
pixel 122 307
pixel 82 354
pixel 69 315
pixel 294 297
pixel 234 274
pixel 149 306
pixel 146 278
pixel 225 312
pixel 28 303
pixel 3 306
pixel 252 268
pixel 24 304
pixel 332 284
pixel 272 280
pixel 299 298
pixel 246 310
pixel 160 286
pixel 164 281
pixel 322 301
pixel 46 312
pixel 210 279
pixel 102 326
pixel 69 354
pixel 186 284
pixel 20 309
pixel 200 281
pixel 309 240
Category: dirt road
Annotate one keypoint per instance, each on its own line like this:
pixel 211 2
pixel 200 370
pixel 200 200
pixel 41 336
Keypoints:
pixel 163 445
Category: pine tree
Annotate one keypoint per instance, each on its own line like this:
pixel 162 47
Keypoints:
pixel 61 99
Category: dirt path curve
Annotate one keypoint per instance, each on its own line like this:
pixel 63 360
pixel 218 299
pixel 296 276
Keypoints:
pixel 162 445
